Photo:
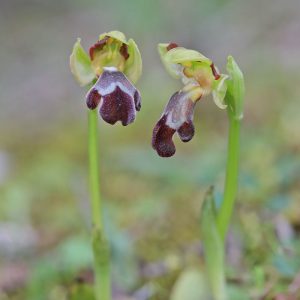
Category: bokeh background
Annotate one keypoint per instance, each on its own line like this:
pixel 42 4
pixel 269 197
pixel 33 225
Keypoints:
pixel 152 205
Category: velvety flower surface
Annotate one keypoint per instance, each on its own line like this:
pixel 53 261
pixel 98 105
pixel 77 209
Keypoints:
pixel 112 66
pixel 119 99
pixel 200 77
pixel 177 117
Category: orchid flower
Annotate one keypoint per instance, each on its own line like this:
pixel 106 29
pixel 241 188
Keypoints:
pixel 112 67
pixel 200 77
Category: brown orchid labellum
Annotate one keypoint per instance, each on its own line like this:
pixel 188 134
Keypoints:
pixel 119 99
pixel 177 117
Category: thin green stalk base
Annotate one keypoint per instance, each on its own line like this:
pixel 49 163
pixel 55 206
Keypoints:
pixel 101 253
pixel 213 247
pixel 99 242
pixel 231 182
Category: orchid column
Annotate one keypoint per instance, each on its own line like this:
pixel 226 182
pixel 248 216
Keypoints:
pixel 109 71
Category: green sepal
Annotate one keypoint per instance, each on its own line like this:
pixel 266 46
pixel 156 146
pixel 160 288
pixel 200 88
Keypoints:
pixel 118 35
pixel 178 58
pixel 181 55
pixel 133 65
pixel 213 247
pixel 235 89
pixel 173 69
pixel 80 65
pixel 219 90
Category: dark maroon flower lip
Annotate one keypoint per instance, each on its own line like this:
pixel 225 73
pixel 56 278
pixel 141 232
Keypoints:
pixel 119 100
pixel 177 117
pixel 162 138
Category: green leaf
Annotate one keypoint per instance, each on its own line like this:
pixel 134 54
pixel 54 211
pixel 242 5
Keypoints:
pixel 235 88
pixel 191 285
pixel 213 247
pixel 81 292
pixel 133 66
pixel 80 65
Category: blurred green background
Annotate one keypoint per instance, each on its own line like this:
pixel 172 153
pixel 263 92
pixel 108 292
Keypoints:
pixel 152 205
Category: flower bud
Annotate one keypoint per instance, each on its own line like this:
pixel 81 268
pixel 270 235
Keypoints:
pixel 236 88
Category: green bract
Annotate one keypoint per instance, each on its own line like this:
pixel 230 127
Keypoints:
pixel 236 88
pixel 111 50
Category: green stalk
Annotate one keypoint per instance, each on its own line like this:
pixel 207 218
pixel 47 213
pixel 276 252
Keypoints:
pixel 231 182
pixel 213 247
pixel 99 241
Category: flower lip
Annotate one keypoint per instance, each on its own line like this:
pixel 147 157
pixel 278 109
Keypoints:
pixel 177 117
pixel 162 138
pixel 119 98
pixel 93 99
pixel 117 106
pixel 186 131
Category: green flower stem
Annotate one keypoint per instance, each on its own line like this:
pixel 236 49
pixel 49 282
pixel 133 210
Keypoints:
pixel 231 181
pixel 99 241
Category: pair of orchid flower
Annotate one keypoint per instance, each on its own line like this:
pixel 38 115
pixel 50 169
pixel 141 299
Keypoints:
pixel 114 65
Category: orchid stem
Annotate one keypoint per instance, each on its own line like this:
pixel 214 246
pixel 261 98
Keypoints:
pixel 99 241
pixel 231 181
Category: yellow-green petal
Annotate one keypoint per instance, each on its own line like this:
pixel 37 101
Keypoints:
pixel 80 65
pixel 173 69
pixel 118 35
pixel 219 91
pixel 133 65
